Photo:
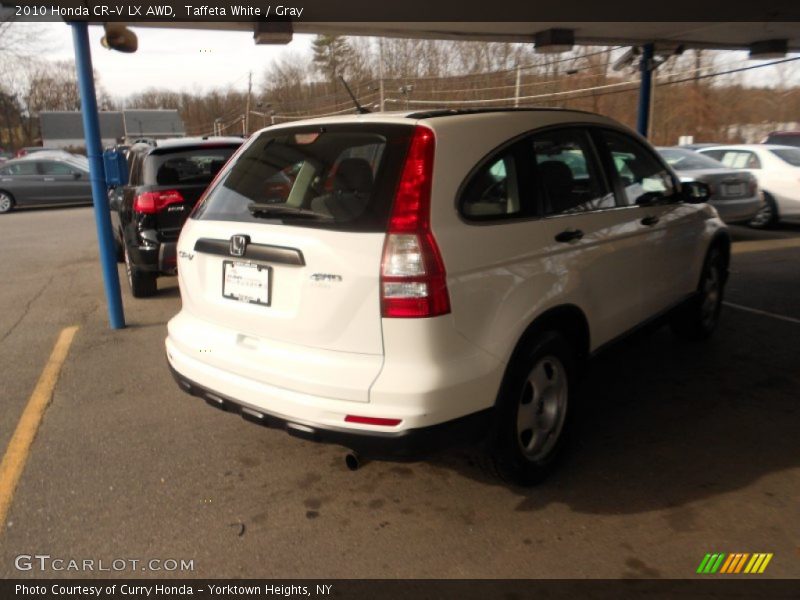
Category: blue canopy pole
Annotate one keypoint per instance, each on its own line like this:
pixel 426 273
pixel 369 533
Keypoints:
pixel 94 149
pixel 646 86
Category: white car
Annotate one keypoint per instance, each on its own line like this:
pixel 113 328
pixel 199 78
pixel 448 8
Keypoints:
pixel 434 277
pixel 778 171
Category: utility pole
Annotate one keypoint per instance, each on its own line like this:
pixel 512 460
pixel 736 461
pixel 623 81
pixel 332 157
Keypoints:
pixel 246 122
pixel 516 87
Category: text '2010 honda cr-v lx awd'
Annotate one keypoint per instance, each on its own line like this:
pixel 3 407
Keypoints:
pixel 395 283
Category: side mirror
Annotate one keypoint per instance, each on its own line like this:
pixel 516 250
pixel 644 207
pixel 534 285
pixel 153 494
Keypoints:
pixel 695 192
pixel 77 175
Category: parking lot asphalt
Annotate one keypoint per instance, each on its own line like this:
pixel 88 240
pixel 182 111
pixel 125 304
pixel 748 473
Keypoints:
pixel 682 449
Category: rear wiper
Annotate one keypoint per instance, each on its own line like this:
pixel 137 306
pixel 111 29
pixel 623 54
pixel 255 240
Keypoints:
pixel 272 210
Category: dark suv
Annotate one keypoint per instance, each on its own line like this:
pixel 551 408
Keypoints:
pixel 165 182
pixel 783 138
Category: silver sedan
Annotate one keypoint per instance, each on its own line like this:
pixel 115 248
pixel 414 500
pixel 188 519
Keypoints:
pixel 734 192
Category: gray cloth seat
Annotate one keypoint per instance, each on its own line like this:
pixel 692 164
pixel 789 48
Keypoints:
pixel 559 183
pixel 352 188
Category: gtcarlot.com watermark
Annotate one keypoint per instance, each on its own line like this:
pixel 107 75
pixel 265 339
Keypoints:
pixel 46 563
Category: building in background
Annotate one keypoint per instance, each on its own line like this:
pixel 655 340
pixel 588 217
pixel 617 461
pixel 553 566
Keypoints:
pixel 64 129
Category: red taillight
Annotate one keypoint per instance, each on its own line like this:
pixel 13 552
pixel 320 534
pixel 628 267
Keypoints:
pixel 413 281
pixel 372 421
pixel 150 203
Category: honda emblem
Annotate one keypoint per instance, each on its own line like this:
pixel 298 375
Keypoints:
pixel 239 244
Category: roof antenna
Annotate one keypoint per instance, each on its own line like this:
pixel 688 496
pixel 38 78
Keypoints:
pixel 359 109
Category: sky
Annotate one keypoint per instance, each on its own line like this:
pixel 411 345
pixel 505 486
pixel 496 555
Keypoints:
pixel 175 59
pixel 198 61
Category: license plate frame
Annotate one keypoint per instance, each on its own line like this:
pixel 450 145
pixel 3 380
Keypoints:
pixel 254 283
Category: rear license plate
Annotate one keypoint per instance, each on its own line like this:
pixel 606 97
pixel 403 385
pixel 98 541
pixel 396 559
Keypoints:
pixel 246 282
pixel 733 189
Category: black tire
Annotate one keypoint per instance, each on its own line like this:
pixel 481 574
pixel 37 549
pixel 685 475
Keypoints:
pixel 142 283
pixel 118 249
pixel 6 202
pixel 525 455
pixel 698 319
pixel 768 215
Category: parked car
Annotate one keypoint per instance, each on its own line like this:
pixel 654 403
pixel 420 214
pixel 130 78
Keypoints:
pixel 777 169
pixel 734 192
pixel 32 150
pixel 783 138
pixel 41 180
pixel 697 146
pixel 449 286
pixel 165 182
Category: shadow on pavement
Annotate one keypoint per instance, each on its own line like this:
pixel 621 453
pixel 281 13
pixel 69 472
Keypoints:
pixel 666 423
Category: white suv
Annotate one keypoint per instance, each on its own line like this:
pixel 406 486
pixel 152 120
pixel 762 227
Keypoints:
pixel 398 282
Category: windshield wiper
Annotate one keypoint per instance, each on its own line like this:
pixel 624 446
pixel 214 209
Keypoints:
pixel 271 210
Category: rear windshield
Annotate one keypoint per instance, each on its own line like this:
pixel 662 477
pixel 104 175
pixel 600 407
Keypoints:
pixel 192 166
pixel 687 160
pixel 789 155
pixel 341 177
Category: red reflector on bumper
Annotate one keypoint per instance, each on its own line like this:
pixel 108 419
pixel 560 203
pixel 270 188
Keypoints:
pixel 372 421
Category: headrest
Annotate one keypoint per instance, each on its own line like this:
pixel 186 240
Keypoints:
pixel 353 175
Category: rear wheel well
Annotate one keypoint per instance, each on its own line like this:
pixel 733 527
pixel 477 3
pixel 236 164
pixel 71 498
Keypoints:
pixel 722 241
pixel 569 321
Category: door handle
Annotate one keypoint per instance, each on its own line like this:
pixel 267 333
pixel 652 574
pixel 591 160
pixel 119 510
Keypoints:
pixel 49 178
pixel 569 235
pixel 649 221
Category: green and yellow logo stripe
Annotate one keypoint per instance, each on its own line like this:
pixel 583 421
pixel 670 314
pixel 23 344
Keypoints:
pixel 741 562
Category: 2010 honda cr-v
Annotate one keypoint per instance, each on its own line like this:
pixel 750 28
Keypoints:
pixel 398 282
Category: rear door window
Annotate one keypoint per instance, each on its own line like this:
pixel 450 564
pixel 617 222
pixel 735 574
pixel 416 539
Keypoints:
pixel 56 168
pixel 340 176
pixel 568 174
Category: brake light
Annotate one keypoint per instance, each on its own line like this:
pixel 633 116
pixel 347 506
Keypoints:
pixel 413 281
pixel 150 203
pixel 752 187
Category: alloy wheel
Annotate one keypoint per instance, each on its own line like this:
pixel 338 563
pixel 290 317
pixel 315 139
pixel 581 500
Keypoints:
pixel 542 408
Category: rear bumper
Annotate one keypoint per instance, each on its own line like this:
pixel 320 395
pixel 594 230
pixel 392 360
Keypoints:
pixel 156 258
pixel 407 444
pixel 738 211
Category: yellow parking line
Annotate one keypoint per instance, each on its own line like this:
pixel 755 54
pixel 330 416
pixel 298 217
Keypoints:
pixel 20 445
pixel 762 245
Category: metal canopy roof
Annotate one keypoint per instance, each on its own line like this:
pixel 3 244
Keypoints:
pixel 720 35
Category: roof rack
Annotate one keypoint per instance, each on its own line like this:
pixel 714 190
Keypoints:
pixel 452 112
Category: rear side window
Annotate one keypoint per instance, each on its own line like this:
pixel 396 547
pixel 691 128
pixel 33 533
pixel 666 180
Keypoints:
pixel 195 166
pixel 644 178
pixel 20 168
pixel 340 177
pixel 494 190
